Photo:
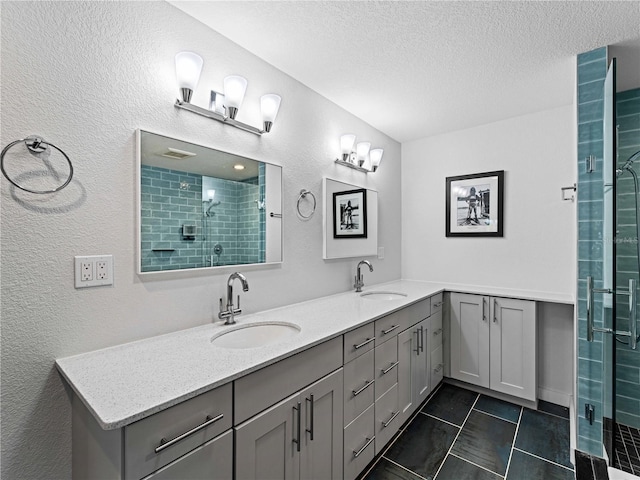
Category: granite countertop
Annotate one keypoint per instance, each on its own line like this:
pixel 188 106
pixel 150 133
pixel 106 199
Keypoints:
pixel 128 382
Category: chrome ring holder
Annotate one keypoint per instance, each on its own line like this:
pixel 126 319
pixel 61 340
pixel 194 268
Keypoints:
pixel 35 145
pixel 303 194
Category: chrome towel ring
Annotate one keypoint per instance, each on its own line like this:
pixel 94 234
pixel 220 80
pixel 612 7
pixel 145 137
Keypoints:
pixel 35 145
pixel 303 194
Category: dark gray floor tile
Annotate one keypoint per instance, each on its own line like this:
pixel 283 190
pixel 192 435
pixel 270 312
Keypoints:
pixel 544 435
pixel 524 465
pixel 386 470
pixel 600 468
pixel 423 445
pixel 455 468
pixel 499 408
pixel 451 403
pixel 584 469
pixel 486 441
pixel 553 409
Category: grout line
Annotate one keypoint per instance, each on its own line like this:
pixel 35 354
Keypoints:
pixel 476 465
pixel 404 468
pixel 513 443
pixel 541 458
pixel 454 440
pixel 442 420
pixel 496 416
pixel 624 444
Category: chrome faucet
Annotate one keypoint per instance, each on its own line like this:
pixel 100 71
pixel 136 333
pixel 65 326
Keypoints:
pixel 229 314
pixel 359 282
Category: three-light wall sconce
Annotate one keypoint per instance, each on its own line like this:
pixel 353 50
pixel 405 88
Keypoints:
pixel 223 107
pixel 362 158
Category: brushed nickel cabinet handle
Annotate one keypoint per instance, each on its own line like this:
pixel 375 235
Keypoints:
pixel 367 341
pixel 164 443
pixel 388 422
pixel 389 368
pixel 366 385
pixel 369 440
pixel 391 329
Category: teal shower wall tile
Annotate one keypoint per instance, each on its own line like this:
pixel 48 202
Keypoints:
pixel 590 210
pixel 591 350
pixel 590 112
pixel 590 369
pixel 590 446
pixel 626 419
pixel 590 92
pixel 629 107
pixel 593 55
pixel 589 249
pixel 592 268
pixel 633 94
pixel 590 132
pixel 591 72
pixel 627 389
pixel 629 122
pixel 628 374
pixel 629 138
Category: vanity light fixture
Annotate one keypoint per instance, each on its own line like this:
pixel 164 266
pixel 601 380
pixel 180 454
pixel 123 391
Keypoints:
pixel 223 107
pixel 362 158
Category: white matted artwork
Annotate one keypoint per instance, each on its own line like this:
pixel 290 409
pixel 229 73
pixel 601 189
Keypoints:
pixel 348 244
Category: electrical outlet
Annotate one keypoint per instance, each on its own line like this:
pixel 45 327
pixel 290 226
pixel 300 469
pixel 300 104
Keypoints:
pixel 93 271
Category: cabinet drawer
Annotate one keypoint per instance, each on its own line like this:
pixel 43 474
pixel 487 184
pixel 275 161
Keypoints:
pixel 437 301
pixel 437 366
pixel 435 330
pixel 386 367
pixel 213 460
pixel 359 448
pixel 358 341
pixel 387 417
pixel 142 438
pixel 359 386
pixel 259 390
pixel 396 322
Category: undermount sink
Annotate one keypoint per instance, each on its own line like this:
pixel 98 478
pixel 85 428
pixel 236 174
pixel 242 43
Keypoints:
pixel 255 335
pixel 380 295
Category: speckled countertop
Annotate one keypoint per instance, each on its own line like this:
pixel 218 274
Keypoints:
pixel 125 383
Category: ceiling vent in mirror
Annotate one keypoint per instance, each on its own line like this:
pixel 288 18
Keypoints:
pixel 177 154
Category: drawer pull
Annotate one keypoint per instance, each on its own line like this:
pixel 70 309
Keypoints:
pixel 164 443
pixel 437 332
pixel 437 304
pixel 297 441
pixel 391 329
pixel 389 368
pixel 366 385
pixel 369 440
pixel 438 368
pixel 388 422
pixel 368 340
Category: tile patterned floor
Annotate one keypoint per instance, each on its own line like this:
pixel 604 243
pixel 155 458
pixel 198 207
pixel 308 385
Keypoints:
pixel 462 435
pixel 627 449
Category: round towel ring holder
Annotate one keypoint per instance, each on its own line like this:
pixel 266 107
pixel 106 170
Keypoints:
pixel 35 145
pixel 303 194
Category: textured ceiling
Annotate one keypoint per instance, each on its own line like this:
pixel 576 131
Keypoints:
pixel 414 69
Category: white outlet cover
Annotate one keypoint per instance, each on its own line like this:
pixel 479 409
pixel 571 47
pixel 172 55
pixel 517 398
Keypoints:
pixel 107 275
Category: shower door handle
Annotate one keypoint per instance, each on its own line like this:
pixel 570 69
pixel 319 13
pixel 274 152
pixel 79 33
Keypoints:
pixel 590 291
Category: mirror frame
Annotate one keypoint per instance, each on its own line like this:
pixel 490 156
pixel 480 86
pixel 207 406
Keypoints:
pixel 138 223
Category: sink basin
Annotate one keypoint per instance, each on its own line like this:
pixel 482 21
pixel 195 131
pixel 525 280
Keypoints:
pixel 255 335
pixel 380 295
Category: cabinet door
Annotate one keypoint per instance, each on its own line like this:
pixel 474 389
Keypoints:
pixel 211 461
pixel 470 338
pixel 322 446
pixel 267 446
pixel 407 342
pixel 513 347
pixel 420 365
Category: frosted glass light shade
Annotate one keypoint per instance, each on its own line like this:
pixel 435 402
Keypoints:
pixel 362 150
pixel 188 68
pixel 375 156
pixel 346 145
pixel 234 88
pixel 211 194
pixel 269 106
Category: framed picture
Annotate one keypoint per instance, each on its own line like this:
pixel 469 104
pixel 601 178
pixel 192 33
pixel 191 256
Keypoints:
pixel 350 214
pixel 474 205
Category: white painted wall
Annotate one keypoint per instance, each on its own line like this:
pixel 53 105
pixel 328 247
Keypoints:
pixel 537 251
pixel 85 75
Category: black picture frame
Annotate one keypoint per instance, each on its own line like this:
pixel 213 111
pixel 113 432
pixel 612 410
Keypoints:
pixel 475 205
pixel 350 214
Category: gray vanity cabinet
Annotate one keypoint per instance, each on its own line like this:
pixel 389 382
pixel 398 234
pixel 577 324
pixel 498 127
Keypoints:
pixel 413 368
pixel 300 437
pixel 493 343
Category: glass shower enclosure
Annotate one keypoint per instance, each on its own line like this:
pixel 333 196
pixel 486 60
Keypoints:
pixel 609 351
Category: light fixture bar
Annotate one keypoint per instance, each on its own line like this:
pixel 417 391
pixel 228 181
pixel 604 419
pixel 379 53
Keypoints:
pixel 217 116
pixel 352 165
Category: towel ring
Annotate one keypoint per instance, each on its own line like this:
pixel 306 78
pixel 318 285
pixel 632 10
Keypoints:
pixel 303 194
pixel 35 144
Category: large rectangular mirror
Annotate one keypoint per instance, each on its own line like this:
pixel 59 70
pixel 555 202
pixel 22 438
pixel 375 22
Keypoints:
pixel 204 208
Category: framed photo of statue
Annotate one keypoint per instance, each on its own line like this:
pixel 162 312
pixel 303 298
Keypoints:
pixel 474 205
pixel 350 214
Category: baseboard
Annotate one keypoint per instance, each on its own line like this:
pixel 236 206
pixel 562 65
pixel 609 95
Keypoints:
pixel 559 398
